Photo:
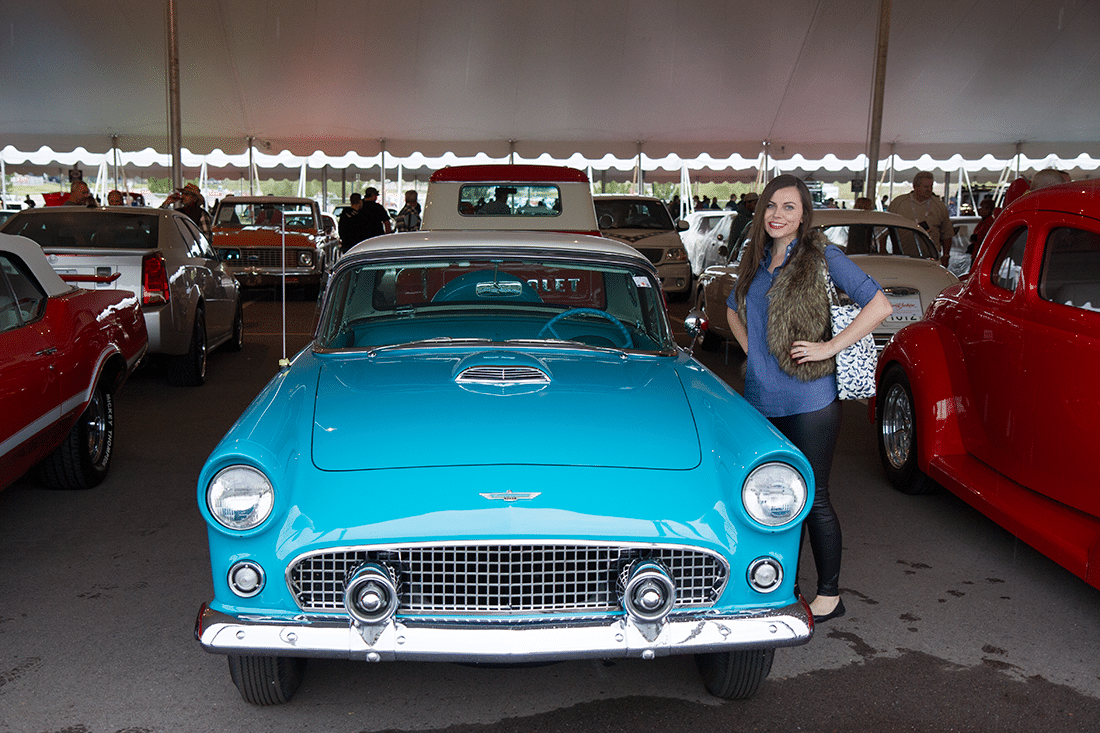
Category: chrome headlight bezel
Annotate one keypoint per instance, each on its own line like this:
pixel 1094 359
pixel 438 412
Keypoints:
pixel 774 494
pixel 305 258
pixel 240 497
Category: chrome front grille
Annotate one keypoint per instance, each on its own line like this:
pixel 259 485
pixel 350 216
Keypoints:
pixel 504 579
pixel 266 257
pixel 653 254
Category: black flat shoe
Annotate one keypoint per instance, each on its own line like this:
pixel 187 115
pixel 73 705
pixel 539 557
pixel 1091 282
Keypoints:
pixel 835 613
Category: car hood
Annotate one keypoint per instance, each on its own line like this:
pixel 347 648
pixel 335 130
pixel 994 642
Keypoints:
pixel 261 237
pixel 405 409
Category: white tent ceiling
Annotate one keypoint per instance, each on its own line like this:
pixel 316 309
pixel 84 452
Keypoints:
pixel 602 77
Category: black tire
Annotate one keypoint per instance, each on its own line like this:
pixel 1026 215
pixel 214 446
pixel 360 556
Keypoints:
pixel 897 434
pixel 708 341
pixel 735 675
pixel 189 370
pixel 83 459
pixel 236 341
pixel 267 680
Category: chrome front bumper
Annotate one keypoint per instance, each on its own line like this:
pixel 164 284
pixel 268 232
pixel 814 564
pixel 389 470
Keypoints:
pixel 413 640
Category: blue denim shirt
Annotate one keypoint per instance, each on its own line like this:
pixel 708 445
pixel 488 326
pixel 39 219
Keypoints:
pixel 767 387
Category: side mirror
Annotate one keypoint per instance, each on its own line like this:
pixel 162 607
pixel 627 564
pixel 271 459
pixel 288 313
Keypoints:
pixel 696 324
pixel 682 226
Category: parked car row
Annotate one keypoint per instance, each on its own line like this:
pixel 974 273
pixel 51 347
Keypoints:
pixel 893 250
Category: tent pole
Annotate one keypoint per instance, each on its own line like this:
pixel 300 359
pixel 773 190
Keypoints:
pixel 874 141
pixel 174 142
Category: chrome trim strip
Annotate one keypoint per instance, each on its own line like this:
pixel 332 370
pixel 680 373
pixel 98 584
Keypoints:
pixel 401 640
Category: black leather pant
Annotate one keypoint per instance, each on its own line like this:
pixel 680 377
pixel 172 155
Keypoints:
pixel 815 434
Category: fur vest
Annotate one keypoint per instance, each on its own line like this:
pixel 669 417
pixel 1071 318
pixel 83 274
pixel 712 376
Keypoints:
pixel 798 309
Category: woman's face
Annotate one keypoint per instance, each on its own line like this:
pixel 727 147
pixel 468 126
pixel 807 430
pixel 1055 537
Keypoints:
pixel 783 215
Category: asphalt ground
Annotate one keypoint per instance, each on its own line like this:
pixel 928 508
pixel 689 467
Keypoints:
pixel 952 624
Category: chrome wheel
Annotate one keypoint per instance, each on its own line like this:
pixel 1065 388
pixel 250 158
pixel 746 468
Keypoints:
pixel 897 426
pixel 96 428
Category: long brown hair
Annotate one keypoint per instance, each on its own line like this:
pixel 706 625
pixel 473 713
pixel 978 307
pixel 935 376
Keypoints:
pixel 758 233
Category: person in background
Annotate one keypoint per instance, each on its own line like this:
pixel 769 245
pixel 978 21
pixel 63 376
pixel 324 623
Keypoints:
pixel 29 202
pixel 864 204
pixel 190 201
pixel 924 207
pixel 375 218
pixel 350 226
pixel 80 195
pixel 985 210
pixel 779 314
pixel 1048 177
pixel 408 219
pixel 114 198
pixel 745 209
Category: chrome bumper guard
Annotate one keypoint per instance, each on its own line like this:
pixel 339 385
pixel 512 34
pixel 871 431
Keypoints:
pixel 421 640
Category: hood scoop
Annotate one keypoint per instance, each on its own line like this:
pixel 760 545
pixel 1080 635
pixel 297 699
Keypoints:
pixel 502 375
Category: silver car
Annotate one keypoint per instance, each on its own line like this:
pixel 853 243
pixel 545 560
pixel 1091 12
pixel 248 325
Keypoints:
pixel 893 250
pixel 190 302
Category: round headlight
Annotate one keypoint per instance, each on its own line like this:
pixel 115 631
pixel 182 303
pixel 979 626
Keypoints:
pixel 240 497
pixel 305 259
pixel 774 494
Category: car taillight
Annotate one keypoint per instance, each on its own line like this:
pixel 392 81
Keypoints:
pixel 154 280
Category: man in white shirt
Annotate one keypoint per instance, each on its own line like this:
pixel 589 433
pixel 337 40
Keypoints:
pixel 927 209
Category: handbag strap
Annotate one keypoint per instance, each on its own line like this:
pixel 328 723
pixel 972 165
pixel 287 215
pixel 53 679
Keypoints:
pixel 830 287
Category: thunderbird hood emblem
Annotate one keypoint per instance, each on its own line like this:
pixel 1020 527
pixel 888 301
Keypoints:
pixel 510 496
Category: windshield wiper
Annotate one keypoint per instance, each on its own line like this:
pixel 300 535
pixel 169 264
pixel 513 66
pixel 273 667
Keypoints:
pixel 436 341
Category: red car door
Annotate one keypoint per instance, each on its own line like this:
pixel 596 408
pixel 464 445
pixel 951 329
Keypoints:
pixel 1061 349
pixel 30 398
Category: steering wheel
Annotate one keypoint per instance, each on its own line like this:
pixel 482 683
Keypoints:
pixel 549 327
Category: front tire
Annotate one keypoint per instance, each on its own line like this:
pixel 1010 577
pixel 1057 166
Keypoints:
pixel 735 675
pixel 236 341
pixel 266 680
pixel 83 459
pixel 897 434
pixel 189 370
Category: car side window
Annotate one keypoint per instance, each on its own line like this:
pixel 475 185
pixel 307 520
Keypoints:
pixel 1070 272
pixel 202 245
pixel 1010 260
pixel 21 300
pixel 194 246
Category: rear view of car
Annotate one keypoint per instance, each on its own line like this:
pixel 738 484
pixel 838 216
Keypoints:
pixel 190 303
pixel 509 198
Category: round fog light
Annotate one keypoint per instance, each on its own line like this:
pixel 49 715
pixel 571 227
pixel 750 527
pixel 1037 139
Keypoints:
pixel 370 595
pixel 246 579
pixel 765 574
pixel 649 592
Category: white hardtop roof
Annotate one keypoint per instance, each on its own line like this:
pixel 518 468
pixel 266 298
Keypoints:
pixel 624 197
pixel 30 254
pixel 839 217
pixel 520 242
pixel 229 200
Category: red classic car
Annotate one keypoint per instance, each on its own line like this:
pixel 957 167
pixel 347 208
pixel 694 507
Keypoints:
pixel 994 394
pixel 63 354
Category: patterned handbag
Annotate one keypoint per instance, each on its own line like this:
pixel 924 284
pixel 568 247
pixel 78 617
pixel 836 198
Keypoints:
pixel 855 366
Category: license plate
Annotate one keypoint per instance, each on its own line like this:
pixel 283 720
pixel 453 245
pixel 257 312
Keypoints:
pixel 906 308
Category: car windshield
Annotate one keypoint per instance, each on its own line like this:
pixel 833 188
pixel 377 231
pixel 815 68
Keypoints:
pixel 633 214
pixel 497 300
pixel 289 215
pixel 72 226
pixel 509 199
pixel 864 239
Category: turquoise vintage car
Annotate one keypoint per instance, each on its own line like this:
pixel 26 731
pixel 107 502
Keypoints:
pixel 494 451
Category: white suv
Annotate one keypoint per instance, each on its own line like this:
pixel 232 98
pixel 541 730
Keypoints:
pixel 644 223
